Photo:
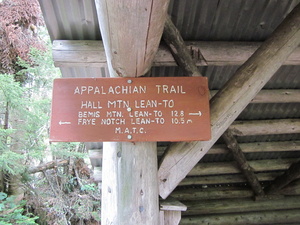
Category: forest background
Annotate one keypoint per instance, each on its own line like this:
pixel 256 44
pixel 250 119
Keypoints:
pixel 40 182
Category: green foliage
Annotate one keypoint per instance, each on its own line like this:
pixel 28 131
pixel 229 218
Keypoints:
pixel 12 211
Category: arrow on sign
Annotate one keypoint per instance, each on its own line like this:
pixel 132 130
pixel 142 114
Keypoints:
pixel 63 123
pixel 196 114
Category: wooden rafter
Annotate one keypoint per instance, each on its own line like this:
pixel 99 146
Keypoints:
pixel 178 49
pixel 229 102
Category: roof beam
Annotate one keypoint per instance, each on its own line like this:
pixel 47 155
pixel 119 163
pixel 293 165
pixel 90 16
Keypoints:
pixel 229 102
pixel 70 53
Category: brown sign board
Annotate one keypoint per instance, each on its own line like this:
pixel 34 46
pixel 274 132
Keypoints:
pixel 130 109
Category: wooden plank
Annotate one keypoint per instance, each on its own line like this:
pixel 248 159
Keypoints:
pixel 263 218
pixel 206 207
pixel 171 204
pixel 76 53
pixel 231 100
pixel 172 217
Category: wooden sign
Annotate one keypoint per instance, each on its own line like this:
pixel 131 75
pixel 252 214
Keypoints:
pixel 130 109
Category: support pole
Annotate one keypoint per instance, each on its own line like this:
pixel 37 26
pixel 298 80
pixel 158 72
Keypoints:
pixel 131 32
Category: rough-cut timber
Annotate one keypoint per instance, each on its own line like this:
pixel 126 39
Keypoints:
pixel 229 102
pixel 241 160
pixel 131 32
pixel 71 53
pixel 290 175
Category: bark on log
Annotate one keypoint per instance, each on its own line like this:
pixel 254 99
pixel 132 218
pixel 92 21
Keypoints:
pixel 290 175
pixel 231 100
pixel 47 166
pixel 241 160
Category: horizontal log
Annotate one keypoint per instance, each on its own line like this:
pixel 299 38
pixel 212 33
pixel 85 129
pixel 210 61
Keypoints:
pixel 217 168
pixel 206 207
pixel 274 96
pixel 266 217
pixel 278 146
pixel 68 53
pixel 265 127
pixel 226 179
pixel 47 166
pixel 193 194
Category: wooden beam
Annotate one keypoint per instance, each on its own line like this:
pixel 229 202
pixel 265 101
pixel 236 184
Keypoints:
pixel 281 181
pixel 274 96
pixel 87 53
pixel 229 102
pixel 225 179
pixel 242 162
pixel 207 207
pixel 265 127
pixel 218 168
pixel 263 218
pixel 131 32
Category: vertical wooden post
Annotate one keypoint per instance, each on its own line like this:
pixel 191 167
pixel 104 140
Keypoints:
pixel 131 32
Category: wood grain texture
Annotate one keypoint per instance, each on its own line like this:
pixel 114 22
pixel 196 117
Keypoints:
pixel 132 32
pixel 75 53
pixel 129 188
pixel 229 102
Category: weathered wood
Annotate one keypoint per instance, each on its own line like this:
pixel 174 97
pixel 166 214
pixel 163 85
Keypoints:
pixel 129 190
pixel 265 127
pixel 206 207
pixel 171 204
pixel 278 146
pixel 274 96
pixel 229 102
pixel 131 32
pixel 47 166
pixel 83 53
pixel 217 168
pixel 170 211
pixel 281 181
pixel 241 160
pixel 223 179
pixel 178 49
pixel 291 189
pixel 197 194
pixel 226 179
pixel 263 218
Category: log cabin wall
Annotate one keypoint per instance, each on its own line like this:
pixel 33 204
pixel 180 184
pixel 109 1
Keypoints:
pixel 268 132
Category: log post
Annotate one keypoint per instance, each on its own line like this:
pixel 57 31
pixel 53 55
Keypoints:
pixel 131 32
pixel 230 101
